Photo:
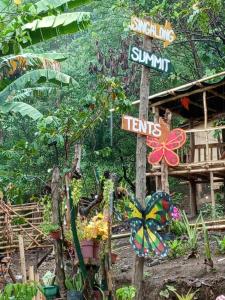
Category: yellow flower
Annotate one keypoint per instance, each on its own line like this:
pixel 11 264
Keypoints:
pixel 17 2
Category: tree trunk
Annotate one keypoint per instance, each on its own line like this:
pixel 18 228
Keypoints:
pixel 141 163
pixel 56 198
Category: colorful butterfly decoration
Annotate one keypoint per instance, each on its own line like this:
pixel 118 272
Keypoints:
pixel 164 145
pixel 145 223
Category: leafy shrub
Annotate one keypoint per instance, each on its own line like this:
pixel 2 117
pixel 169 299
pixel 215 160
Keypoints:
pixel 192 232
pixel 221 245
pixel 126 293
pixel 206 210
pixel 18 291
pixel 177 248
pixel 178 228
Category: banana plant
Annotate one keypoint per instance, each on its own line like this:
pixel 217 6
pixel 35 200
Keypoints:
pixel 32 23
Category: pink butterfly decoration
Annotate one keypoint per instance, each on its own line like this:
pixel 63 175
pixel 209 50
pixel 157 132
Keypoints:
pixel 164 145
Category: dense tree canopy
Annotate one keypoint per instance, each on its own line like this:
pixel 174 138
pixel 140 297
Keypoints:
pixel 96 58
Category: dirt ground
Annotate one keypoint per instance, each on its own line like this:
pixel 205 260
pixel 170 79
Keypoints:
pixel 181 273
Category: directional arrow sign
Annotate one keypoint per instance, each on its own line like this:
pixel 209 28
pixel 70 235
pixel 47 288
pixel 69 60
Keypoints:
pixel 149 59
pixel 154 30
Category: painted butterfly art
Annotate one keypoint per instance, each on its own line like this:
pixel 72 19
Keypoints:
pixel 145 223
pixel 164 145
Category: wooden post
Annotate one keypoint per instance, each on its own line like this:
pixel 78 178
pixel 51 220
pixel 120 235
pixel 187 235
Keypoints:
pixel 141 163
pixel 205 125
pixel 22 259
pixel 164 166
pixel 192 195
pixel 212 194
pixel 56 198
pixel 158 182
pixel 192 142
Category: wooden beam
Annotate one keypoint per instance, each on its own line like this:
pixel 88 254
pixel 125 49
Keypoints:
pixel 200 90
pixel 179 88
pixel 193 171
pixel 217 94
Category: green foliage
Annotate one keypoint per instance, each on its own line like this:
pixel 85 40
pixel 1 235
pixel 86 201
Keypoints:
pixel 192 232
pixel 177 248
pixel 207 210
pixel 23 108
pixel 75 283
pixel 166 292
pixel 126 293
pixel 48 228
pixel 46 203
pixel 207 250
pixel 188 296
pixel 76 185
pixel 107 192
pixel 18 220
pixel 20 291
pixel 220 245
pixel 178 228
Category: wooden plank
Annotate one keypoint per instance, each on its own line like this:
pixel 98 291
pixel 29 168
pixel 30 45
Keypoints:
pixel 22 259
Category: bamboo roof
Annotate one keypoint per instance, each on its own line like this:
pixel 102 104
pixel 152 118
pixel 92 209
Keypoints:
pixel 171 99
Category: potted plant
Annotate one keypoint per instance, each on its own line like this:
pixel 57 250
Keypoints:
pixel 52 230
pixel 50 290
pixel 75 287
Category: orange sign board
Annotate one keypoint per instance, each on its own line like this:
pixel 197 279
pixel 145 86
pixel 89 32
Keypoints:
pixel 154 30
pixel 141 126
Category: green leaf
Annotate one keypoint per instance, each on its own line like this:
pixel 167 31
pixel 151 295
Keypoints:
pixel 52 26
pixel 43 6
pixel 36 76
pixel 23 108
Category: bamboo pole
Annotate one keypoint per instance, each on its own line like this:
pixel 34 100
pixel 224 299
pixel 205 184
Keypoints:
pixel 212 194
pixel 205 125
pixel 22 259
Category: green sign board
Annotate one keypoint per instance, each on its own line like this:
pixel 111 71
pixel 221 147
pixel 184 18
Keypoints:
pixel 149 59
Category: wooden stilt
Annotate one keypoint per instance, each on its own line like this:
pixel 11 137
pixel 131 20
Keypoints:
pixel 205 126
pixel 193 202
pixel 22 259
pixel 212 195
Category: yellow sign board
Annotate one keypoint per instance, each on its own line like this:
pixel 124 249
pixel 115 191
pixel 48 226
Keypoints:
pixel 154 30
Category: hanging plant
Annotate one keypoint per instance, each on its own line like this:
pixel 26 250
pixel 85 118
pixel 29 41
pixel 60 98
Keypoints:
pixel 107 191
pixel 77 185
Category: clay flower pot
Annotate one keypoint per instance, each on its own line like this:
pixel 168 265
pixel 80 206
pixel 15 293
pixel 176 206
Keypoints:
pixel 55 235
pixel 87 248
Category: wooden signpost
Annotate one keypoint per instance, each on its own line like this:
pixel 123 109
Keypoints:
pixel 149 59
pixel 165 33
pixel 140 126
pixel 154 30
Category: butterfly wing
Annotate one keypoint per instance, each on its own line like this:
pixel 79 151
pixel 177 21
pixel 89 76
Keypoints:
pixel 155 156
pixel 176 139
pixel 156 242
pixel 134 209
pixel 171 158
pixel 139 238
pixel 153 142
pixel 158 210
